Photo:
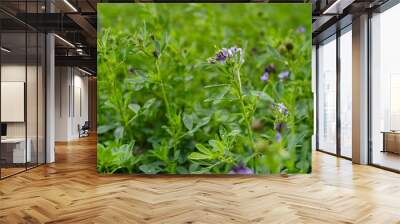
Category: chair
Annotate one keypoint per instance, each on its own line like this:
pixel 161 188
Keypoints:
pixel 84 130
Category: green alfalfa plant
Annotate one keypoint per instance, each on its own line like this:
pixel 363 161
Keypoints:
pixel 229 62
pixel 188 81
pixel 218 155
pixel 179 125
pixel 114 158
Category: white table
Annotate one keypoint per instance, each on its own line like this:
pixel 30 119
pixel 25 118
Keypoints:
pixel 19 155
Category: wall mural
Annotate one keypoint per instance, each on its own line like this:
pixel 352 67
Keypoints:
pixel 204 88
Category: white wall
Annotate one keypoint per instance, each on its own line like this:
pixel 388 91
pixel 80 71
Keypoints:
pixel 71 94
pixel 62 81
pixel 33 127
pixel 80 103
pixel 12 73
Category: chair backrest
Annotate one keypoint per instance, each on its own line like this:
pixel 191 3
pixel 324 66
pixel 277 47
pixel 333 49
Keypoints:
pixel 87 124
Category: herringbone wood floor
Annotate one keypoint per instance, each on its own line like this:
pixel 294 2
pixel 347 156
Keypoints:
pixel 70 191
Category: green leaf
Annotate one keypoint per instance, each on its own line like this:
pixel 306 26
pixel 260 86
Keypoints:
pixel 119 132
pixel 187 121
pixel 165 41
pixel 193 167
pixel 109 104
pixel 203 121
pixel 134 107
pixel 161 152
pixel 104 128
pixel 138 79
pixel 203 170
pixel 216 85
pixel 274 53
pixel 262 95
pixel 148 103
pixel 151 168
pixel 141 74
pixel 217 98
pixel 167 129
pixel 198 156
pixel 217 145
pixel 157 46
pixel 203 149
pixel 181 170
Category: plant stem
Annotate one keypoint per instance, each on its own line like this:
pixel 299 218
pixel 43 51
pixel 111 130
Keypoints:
pixel 167 105
pixel 120 104
pixel 245 116
pixel 164 93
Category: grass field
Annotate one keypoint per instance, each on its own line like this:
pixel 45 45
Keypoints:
pixel 204 88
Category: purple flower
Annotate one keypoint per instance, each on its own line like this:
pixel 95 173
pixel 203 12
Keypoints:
pixel 227 53
pixel 241 169
pixel 278 137
pixel 265 76
pixel 222 55
pixel 270 68
pixel 235 51
pixel 279 128
pixel 284 75
pixel 301 29
pixel 282 109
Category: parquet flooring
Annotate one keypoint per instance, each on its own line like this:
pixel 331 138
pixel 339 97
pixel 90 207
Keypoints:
pixel 10 171
pixel 70 191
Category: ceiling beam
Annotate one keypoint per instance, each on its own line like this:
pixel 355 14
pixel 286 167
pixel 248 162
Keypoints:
pixel 84 24
pixel 49 22
pixel 320 23
pixel 78 61
pixel 337 7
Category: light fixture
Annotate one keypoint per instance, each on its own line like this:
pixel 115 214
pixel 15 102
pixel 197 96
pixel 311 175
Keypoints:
pixel 70 5
pixel 5 50
pixel 84 71
pixel 65 41
pixel 80 51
